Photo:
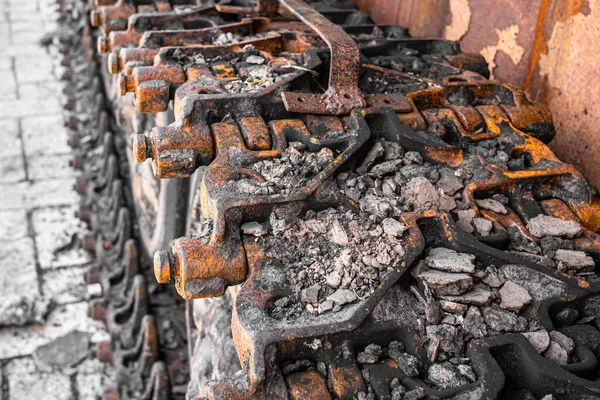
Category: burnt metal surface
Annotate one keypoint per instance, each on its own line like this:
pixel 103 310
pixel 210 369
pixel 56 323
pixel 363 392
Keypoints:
pixel 258 84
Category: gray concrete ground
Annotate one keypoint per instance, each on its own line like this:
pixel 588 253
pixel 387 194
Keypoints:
pixel 44 329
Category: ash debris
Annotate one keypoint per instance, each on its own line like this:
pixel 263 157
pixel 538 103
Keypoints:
pixel 291 171
pixel 247 71
pixel 332 258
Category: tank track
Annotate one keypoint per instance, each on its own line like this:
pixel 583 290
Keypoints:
pixel 374 217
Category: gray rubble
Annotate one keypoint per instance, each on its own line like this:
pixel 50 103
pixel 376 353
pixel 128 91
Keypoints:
pixel 449 260
pixel 544 225
pixel 514 296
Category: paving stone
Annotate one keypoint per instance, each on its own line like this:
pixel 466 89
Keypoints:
pixel 12 169
pixel 41 90
pixel 21 301
pixel 50 167
pixel 63 352
pixel 12 195
pixel 65 285
pixel 26 381
pixel 21 108
pixel 13 225
pixel 10 142
pixel 54 228
pixel 38 130
pixel 8 89
pixel 22 341
pixel 33 72
pixel 90 377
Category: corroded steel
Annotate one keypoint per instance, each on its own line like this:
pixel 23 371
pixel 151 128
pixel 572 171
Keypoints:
pixel 249 83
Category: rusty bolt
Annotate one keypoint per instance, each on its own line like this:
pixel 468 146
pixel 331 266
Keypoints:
pixel 74 141
pixel 95 18
pixel 80 186
pixel 162 266
pixel 113 63
pixel 102 44
pixel 122 84
pixel 141 147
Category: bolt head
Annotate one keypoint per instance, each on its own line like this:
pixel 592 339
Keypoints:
pixel 102 44
pixel 94 18
pixel 122 84
pixel 113 63
pixel 162 266
pixel 140 147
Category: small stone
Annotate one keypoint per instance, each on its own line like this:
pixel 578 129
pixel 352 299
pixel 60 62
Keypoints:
pixel 544 225
pixel 483 226
pixel 385 168
pixel 493 278
pixel 446 375
pixel 421 194
pixel 414 156
pixel 433 311
pixel 575 259
pixel 503 321
pixel 325 306
pixel 452 307
pixel 450 337
pixel 514 297
pixel 282 302
pixel 448 260
pixel 337 234
pixel 445 283
pixel 566 317
pixel 556 353
pixel 540 340
pixel 311 294
pixel 375 205
pixel 254 228
pixel 342 296
pixel 492 205
pixel 375 153
pixel 398 392
pixel 449 182
pixel 334 279
pixel 407 363
pixel 563 340
pixel 393 227
pixel 447 203
pixel 465 220
pixel 64 351
pixel 448 319
pixel 477 296
pixel 370 355
pixel 255 60
pixel 474 324
pixel 466 371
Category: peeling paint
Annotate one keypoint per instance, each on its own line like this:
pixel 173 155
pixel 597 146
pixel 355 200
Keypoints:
pixel 507 43
pixel 461 18
pixel 573 88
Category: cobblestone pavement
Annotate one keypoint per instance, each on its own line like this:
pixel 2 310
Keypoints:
pixel 44 329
